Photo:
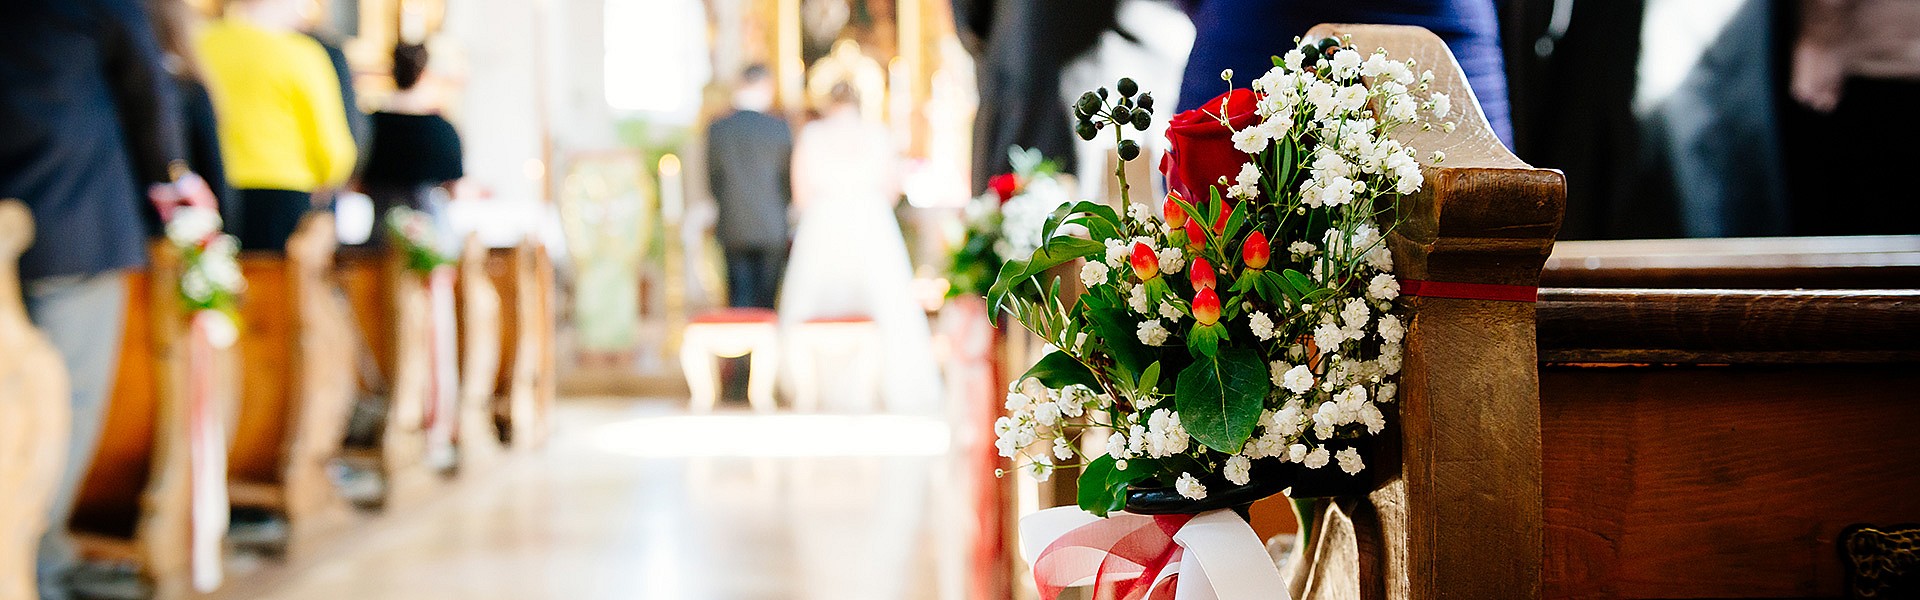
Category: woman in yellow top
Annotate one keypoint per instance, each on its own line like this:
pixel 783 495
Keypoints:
pixel 283 129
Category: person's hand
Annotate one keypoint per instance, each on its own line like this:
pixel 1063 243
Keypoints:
pixel 1817 75
pixel 186 190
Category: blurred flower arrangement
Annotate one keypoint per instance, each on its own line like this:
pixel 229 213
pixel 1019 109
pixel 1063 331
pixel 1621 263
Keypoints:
pixel 413 230
pixel 1005 223
pixel 210 278
pixel 1245 339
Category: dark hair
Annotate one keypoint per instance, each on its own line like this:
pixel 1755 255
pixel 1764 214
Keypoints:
pixel 171 19
pixel 409 62
pixel 754 73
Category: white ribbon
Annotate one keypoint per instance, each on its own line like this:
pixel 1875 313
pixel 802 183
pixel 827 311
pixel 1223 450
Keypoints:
pixel 1220 556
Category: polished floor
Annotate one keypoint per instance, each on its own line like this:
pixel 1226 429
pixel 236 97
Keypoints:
pixel 634 499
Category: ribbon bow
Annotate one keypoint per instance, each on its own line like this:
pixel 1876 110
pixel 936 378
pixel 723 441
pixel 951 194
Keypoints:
pixel 1138 557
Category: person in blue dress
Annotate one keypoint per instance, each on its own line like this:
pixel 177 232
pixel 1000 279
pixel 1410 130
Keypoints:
pixel 1245 35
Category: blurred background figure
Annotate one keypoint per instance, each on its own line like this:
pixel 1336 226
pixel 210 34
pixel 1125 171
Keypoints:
pixel 1856 73
pixel 175 24
pixel 414 152
pixel 849 259
pixel 283 127
pixel 748 156
pixel 90 126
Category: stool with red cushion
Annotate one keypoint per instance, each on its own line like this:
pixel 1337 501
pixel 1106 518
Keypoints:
pixel 731 333
pixel 850 346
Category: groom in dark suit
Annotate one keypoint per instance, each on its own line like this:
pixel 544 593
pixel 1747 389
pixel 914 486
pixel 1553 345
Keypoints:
pixel 749 156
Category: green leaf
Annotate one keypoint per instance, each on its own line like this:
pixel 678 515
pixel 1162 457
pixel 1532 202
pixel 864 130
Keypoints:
pixel 1299 282
pixel 1204 340
pixel 1097 493
pixel 1055 252
pixel 1149 379
pixel 1117 333
pixel 1234 220
pixel 1058 370
pixel 1011 273
pixel 1219 398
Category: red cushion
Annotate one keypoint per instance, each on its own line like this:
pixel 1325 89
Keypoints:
pixel 738 315
pixel 839 320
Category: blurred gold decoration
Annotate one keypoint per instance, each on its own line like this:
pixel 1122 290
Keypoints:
pixel 847 63
pixel 607 204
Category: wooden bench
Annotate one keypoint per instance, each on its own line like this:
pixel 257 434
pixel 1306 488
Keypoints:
pixel 34 413
pixel 524 278
pixel 296 388
pixel 1700 424
pixel 136 505
pixel 481 345
pixel 392 308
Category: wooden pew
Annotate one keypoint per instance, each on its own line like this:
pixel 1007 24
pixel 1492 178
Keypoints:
pixel 526 377
pixel 1455 510
pixel 136 505
pixel 1640 440
pixel 390 308
pixel 481 344
pixel 34 416
pixel 297 386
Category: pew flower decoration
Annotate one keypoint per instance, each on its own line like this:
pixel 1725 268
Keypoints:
pixel 210 279
pixel 1004 223
pixel 413 230
pixel 1245 336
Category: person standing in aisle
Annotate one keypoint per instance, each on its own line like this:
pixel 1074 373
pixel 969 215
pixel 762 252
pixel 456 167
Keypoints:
pixel 748 156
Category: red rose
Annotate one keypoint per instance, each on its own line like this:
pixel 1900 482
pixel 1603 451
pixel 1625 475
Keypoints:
pixel 1200 149
pixel 1004 185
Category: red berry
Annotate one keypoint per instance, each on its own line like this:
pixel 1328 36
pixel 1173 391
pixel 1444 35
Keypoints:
pixel 1145 263
pixel 1256 252
pixel 1201 273
pixel 1206 307
pixel 1176 216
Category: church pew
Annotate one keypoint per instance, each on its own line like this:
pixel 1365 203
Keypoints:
pixel 34 415
pixel 136 505
pixel 521 325
pixel 296 387
pixel 480 343
pixel 391 307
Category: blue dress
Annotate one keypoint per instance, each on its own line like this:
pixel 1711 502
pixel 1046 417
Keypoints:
pixel 1245 35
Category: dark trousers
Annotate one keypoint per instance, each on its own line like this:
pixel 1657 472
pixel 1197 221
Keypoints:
pixel 268 217
pixel 753 276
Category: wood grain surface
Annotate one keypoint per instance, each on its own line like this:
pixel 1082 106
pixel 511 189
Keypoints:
pixel 1854 262
pixel 34 415
pixel 478 305
pixel 1728 326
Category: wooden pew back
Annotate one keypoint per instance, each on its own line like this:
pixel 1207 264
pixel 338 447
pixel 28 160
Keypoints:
pixel 480 348
pixel 34 415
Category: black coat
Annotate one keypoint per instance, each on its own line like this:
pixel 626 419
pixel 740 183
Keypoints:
pixel 1020 47
pixel 749 166
pixel 88 117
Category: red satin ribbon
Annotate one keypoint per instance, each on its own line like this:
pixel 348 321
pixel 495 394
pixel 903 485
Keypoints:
pixel 1469 291
pixel 1132 551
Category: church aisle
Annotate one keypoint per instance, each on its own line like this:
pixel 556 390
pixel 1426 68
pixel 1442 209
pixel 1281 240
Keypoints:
pixel 636 499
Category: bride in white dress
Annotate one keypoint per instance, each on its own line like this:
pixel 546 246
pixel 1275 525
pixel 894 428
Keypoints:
pixel 849 260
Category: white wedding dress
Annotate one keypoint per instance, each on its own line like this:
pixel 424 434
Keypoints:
pixel 849 261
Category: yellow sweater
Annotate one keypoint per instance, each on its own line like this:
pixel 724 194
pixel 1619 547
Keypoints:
pixel 282 124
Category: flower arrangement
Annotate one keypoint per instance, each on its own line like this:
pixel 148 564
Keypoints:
pixel 210 279
pixel 1005 222
pixel 1248 331
pixel 413 230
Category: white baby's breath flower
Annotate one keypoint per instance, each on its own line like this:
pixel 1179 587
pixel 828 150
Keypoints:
pixel 1117 446
pixel 1137 300
pixel 1441 104
pixel 1387 392
pixel 1355 315
pixel 1297 453
pixel 1152 333
pixel 1449 126
pixel 1344 62
pixel 1375 65
pixel 1062 449
pixel 1439 157
pixel 1383 287
pixel 1117 251
pixel 1292 59
pixel 1017 401
pixel 1246 185
pixel 1349 461
pixel 1250 140
pixel 1172 260
pixel 1298 379
pixel 1190 487
pixel 1300 249
pixel 1329 335
pixel 1139 213
pixel 1093 274
pixel 1390 329
pixel 1042 471
pixel 191 224
pixel 1351 98
pixel 1238 470
pixel 1261 324
pixel 1046 413
pixel 1170 311
pixel 1315 459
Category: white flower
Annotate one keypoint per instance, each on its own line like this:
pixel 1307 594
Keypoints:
pixel 1249 140
pixel 1402 108
pixel 1387 392
pixel 1152 333
pixel 1383 287
pixel 1370 416
pixel 190 225
pixel 1017 401
pixel 1073 400
pixel 1441 105
pixel 1165 435
pixel 1329 192
pixel 1355 315
pixel 1297 453
pixel 195 285
pixel 1390 358
pixel 1062 449
pixel 1239 470
pixel 1345 61
pixel 1351 98
pixel 1046 413
pixel 1190 487
pixel 1117 446
pixel 1320 95
pixel 1300 249
pixel 1246 184
pixel 1093 274
pixel 1375 65
pixel 1226 74
pixel 1426 76
pixel 1137 300
pixel 1292 59
pixel 1172 260
pixel 1117 251
pixel 219 327
pixel 1042 471
pixel 1449 126
pixel 1329 335
pixel 1289 421
pixel 1170 311
pixel 1261 324
pixel 1439 157
pixel 1139 212
pixel 1391 330
pixel 1315 459
pixel 1349 461
pixel 1298 379
pixel 1136 440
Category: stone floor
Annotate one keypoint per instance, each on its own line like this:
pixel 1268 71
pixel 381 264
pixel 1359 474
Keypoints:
pixel 635 499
